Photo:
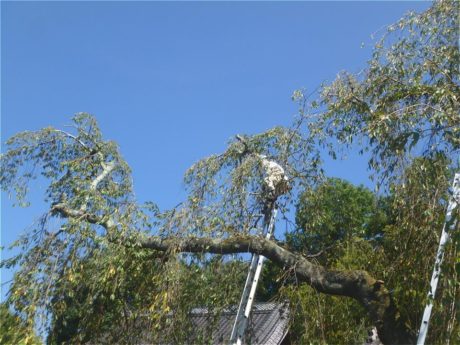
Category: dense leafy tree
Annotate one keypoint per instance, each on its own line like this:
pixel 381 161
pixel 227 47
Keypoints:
pixel 334 212
pixel 338 225
pixel 111 256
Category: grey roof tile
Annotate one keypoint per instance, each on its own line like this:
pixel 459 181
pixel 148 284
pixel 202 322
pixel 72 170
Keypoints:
pixel 268 324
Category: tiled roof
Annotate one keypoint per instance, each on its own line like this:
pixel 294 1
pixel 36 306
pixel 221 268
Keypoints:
pixel 268 324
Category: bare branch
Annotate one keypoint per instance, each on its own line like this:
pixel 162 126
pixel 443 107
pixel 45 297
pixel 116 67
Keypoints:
pixel 66 212
pixel 72 137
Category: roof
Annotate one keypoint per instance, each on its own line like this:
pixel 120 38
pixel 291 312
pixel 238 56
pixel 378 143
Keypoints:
pixel 268 324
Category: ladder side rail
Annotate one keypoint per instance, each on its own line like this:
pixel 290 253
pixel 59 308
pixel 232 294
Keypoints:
pixel 244 298
pixel 449 224
pixel 247 298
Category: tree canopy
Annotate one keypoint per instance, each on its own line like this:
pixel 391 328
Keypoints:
pixel 102 263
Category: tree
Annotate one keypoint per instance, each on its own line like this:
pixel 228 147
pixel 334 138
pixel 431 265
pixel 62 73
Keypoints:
pixel 131 258
pixel 334 212
pixel 405 102
pixel 338 225
pixel 91 191
pixel 403 111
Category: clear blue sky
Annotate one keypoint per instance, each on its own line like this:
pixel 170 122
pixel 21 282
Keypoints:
pixel 171 82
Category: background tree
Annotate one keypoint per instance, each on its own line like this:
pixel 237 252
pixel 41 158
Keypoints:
pixel 127 259
pixel 334 213
pixel 338 225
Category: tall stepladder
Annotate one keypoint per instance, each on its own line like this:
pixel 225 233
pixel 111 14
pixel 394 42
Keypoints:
pixel 449 225
pixel 249 291
pixel 275 184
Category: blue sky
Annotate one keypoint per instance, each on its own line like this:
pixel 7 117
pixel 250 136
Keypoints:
pixel 171 82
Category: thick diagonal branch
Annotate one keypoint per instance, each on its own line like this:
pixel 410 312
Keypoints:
pixel 357 284
pixel 107 168
pixel 81 214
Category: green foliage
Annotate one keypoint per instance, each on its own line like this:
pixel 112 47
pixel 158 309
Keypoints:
pixel 335 212
pixel 226 188
pixel 89 280
pixel 410 244
pixel 14 331
pixel 89 276
pixel 323 319
pixel 214 284
pixel 343 223
pixel 403 109
pixel 401 253
pixel 53 251
pixel 68 160
pixel 107 288
pixel 406 101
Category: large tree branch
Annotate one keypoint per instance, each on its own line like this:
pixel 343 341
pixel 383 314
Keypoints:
pixel 368 291
pixel 357 284
pixel 81 214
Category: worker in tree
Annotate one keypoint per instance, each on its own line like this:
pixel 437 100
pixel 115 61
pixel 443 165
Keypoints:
pixel 276 182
